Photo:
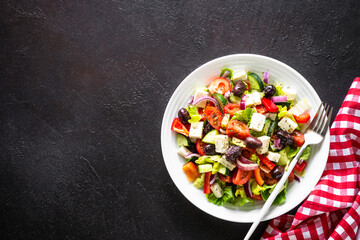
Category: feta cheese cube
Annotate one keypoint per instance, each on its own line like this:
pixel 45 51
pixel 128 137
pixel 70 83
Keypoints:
pixel 226 163
pixel 287 124
pixel 221 143
pixel 183 151
pixel 257 122
pixel 273 156
pixel 253 99
pixel 265 140
pixel 196 130
pixel 290 93
pixel 271 116
pixel 239 75
pixel 217 190
pixel 200 93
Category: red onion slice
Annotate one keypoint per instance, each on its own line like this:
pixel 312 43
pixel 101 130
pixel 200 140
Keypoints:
pixel 222 131
pixel 247 189
pixel 266 77
pixel 242 102
pixel 277 144
pixel 213 179
pixel 296 178
pixel 278 99
pixel 191 99
pixel 226 73
pixel 227 95
pixel 190 155
pixel 246 164
pixel 206 98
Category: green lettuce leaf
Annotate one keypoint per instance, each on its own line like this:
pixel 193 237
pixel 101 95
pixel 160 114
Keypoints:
pixel 199 182
pixel 194 114
pixel 282 111
pixel 292 152
pixel 241 197
pixel 244 115
pixel 227 197
pixel 280 198
pixel 279 90
pixel 230 74
pixel 208 159
pixel 306 153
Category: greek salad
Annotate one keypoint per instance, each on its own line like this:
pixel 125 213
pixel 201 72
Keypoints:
pixel 238 135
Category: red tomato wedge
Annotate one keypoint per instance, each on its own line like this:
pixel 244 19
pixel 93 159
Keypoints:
pixel 238 129
pixel 269 105
pixel 256 197
pixel 299 138
pixel 231 108
pixel 207 183
pixel 241 177
pixel 219 85
pixel 266 161
pixel 300 166
pixel 224 178
pixel 199 147
pixel 302 118
pixel 178 127
pixel 261 109
pixel 291 176
pixel 191 171
pixel 214 116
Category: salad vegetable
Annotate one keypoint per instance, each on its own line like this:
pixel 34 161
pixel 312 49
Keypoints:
pixel 239 134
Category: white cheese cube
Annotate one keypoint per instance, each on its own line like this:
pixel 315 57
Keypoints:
pixel 198 94
pixel 290 93
pixel 239 75
pixel 226 163
pixel 265 140
pixel 253 99
pixel 196 130
pixel 271 116
pixel 273 156
pixel 287 124
pixel 217 190
pixel 225 120
pixel 257 122
pixel 221 143
pixel 183 151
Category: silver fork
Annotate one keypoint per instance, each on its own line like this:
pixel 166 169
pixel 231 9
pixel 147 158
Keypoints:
pixel 314 134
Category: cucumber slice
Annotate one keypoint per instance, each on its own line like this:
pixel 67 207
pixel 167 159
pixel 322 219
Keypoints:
pixel 255 82
pixel 210 137
pixel 221 99
pixel 234 99
pixel 203 168
pixel 224 171
pixel 272 127
pixel 181 140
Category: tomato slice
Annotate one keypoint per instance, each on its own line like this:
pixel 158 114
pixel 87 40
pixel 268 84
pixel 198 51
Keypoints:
pixel 299 138
pixel 256 197
pixel 224 178
pixel 240 176
pixel 178 127
pixel 232 108
pixel 238 129
pixel 207 183
pixel 267 162
pixel 300 166
pixel 302 118
pixel 291 176
pixel 214 116
pixel 199 147
pixel 269 105
pixel 219 85
pixel 261 109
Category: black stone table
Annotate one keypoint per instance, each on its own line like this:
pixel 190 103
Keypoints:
pixel 84 85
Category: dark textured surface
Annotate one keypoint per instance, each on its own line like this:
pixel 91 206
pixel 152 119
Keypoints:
pixel 83 88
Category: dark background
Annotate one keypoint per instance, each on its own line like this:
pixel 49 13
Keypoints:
pixel 84 85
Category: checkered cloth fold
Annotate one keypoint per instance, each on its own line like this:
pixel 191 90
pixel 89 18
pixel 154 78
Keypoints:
pixel 332 210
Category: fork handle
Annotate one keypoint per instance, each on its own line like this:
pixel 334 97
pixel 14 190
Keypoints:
pixel 275 192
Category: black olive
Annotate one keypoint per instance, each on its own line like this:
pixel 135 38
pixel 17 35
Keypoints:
pixel 232 153
pixel 269 91
pixel 209 149
pixel 239 88
pixel 207 129
pixel 285 137
pixel 184 116
pixel 277 172
pixel 253 142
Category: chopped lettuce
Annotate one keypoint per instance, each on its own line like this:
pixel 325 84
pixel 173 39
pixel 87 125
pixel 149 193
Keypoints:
pixel 255 187
pixel 241 197
pixel 199 182
pixel 282 111
pixel 279 90
pixel 216 167
pixel 244 115
pixel 227 197
pixel 284 159
pixel 306 153
pixel 194 114
pixel 292 152
pixel 254 158
pixel 280 198
pixel 208 159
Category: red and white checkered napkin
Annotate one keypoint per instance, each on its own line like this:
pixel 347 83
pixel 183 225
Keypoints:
pixel 332 210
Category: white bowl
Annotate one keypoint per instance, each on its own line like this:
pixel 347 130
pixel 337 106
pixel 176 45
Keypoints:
pixel 279 72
